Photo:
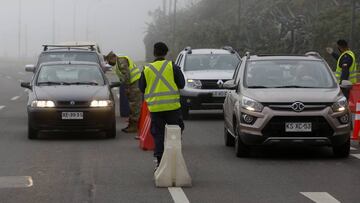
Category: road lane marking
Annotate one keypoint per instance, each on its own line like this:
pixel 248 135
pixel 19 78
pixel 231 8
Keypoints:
pixel 9 77
pixel 2 107
pixel 356 156
pixel 16 182
pixel 320 197
pixel 178 195
pixel 15 98
pixel 353 149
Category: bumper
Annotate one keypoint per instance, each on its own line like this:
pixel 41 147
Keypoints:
pixel 269 128
pixel 94 119
pixel 198 99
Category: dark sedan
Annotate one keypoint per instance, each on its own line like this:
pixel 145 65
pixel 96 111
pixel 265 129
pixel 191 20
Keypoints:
pixel 72 96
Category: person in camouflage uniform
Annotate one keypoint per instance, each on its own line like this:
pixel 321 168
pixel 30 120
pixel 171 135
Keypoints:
pixel 128 74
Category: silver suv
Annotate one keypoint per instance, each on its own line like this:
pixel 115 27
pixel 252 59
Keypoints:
pixel 204 71
pixel 286 100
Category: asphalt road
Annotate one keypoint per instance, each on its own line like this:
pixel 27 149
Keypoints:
pixel 88 168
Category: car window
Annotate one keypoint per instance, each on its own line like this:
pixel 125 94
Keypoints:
pixel 196 62
pixel 288 73
pixel 68 74
pixel 68 56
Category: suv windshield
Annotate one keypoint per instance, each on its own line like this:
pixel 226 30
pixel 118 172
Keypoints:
pixel 70 75
pixel 196 62
pixel 68 56
pixel 288 74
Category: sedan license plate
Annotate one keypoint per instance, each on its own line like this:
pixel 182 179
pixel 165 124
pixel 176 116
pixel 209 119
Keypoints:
pixel 72 115
pixel 219 94
pixel 298 127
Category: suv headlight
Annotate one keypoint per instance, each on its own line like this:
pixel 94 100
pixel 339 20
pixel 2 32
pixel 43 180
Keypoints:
pixel 251 105
pixel 100 103
pixel 42 104
pixel 340 105
pixel 196 84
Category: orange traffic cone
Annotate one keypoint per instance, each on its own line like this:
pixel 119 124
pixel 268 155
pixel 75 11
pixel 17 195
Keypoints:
pixel 356 130
pixel 144 126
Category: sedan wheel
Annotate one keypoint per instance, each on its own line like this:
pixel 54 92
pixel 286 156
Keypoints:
pixel 32 133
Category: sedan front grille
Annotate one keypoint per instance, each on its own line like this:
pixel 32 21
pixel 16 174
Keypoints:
pixel 72 104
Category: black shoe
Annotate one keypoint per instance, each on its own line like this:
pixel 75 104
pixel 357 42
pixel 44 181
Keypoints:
pixel 125 129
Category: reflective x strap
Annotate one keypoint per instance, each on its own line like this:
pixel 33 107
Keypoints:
pixel 159 77
pixel 170 101
pixel 161 94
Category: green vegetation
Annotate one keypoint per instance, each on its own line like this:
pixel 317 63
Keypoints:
pixel 259 26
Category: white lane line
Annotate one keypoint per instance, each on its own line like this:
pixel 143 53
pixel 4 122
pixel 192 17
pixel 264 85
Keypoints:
pixel 2 107
pixel 320 197
pixel 15 98
pixel 16 182
pixel 356 156
pixel 9 77
pixel 178 195
pixel 353 149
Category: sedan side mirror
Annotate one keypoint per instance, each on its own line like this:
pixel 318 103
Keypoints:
pixel 115 84
pixel 346 84
pixel 30 68
pixel 230 85
pixel 26 85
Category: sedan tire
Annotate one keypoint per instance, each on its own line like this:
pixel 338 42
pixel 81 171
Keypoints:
pixel 32 133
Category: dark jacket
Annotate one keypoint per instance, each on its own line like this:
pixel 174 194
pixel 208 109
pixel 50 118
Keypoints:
pixel 178 77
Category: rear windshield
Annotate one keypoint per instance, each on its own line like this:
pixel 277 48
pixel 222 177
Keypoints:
pixel 68 56
pixel 288 74
pixel 196 62
pixel 70 74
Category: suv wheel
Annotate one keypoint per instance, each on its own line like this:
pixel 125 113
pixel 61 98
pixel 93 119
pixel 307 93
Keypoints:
pixel 342 151
pixel 228 138
pixel 241 150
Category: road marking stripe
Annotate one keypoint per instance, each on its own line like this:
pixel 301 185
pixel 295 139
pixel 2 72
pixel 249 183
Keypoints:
pixel 2 107
pixel 15 98
pixel 16 182
pixel 356 156
pixel 320 197
pixel 178 195
pixel 8 77
pixel 353 149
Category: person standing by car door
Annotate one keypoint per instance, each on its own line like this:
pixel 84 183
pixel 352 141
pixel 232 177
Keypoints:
pixel 160 82
pixel 346 68
pixel 129 75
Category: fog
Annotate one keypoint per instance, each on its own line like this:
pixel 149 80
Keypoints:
pixel 117 25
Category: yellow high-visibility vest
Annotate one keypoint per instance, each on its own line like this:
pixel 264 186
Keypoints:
pixel 353 69
pixel 161 93
pixel 134 71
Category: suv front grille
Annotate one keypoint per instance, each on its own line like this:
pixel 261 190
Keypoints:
pixel 210 84
pixel 276 127
pixel 287 106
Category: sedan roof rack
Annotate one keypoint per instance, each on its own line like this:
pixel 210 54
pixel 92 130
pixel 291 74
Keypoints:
pixel 229 48
pixel 188 50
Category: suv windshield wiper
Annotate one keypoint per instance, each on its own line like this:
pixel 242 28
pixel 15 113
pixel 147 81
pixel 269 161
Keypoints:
pixel 293 86
pixel 84 83
pixel 257 87
pixel 49 83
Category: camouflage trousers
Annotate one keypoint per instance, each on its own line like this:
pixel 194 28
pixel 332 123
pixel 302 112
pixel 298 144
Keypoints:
pixel 134 96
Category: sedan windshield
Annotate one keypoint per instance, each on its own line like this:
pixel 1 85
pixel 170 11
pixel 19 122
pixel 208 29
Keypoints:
pixel 70 75
pixel 197 62
pixel 68 56
pixel 288 74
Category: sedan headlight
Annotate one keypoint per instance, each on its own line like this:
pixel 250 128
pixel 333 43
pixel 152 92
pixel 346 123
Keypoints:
pixel 42 104
pixel 196 84
pixel 251 105
pixel 340 105
pixel 100 103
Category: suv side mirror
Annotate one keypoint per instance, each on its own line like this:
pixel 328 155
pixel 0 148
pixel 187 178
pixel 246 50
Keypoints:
pixel 230 85
pixel 30 68
pixel 115 84
pixel 346 84
pixel 26 85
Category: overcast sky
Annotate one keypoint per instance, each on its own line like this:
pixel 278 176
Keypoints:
pixel 117 25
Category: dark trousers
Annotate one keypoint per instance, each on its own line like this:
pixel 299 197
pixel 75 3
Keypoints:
pixel 158 122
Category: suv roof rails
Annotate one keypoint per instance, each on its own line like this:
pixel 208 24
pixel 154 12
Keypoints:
pixel 188 50
pixel 229 48
pixel 89 46
pixel 247 54
pixel 313 53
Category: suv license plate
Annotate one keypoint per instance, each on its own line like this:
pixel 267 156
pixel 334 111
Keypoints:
pixel 220 94
pixel 72 115
pixel 298 127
